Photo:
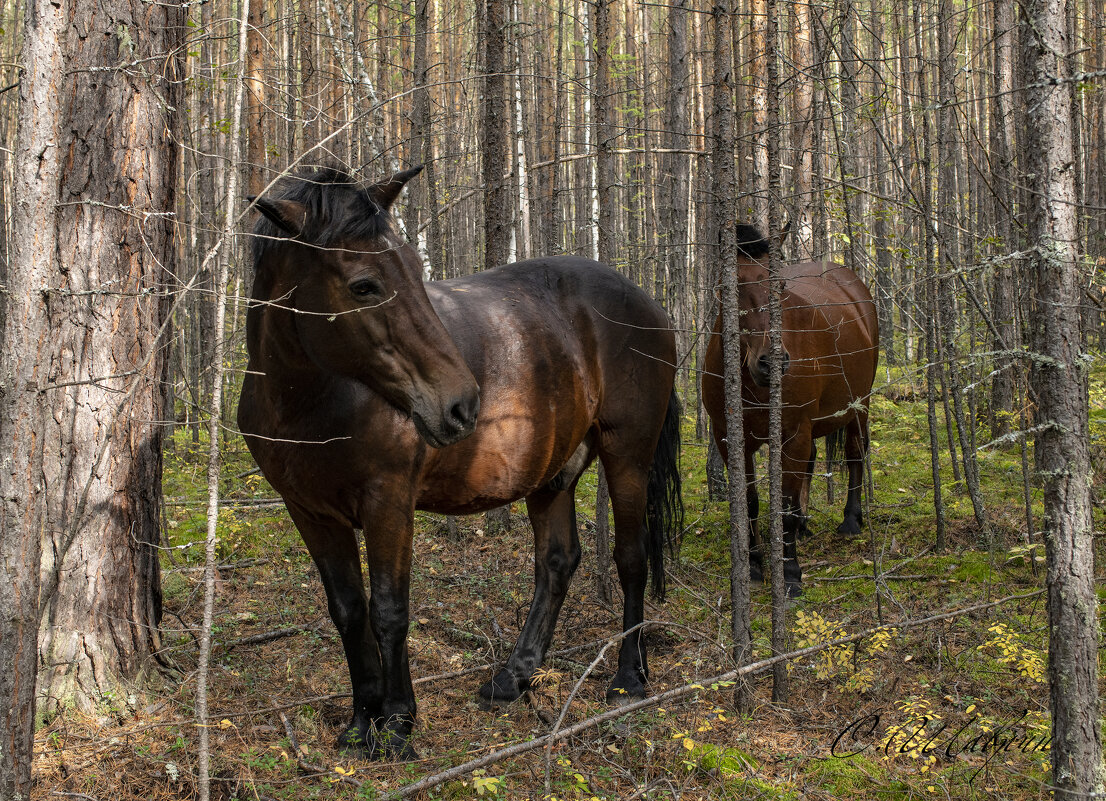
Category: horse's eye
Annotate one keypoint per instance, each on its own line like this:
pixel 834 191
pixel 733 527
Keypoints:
pixel 365 288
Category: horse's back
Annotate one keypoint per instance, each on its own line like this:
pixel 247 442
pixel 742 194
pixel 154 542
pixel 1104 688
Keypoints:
pixel 840 296
pixel 834 335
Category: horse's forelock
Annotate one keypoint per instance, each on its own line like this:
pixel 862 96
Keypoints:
pixel 751 242
pixel 339 209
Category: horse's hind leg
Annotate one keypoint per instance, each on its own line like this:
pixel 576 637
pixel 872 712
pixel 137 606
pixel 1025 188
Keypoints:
pixel 795 486
pixel 804 501
pixel 856 445
pixel 556 555
pixel 628 483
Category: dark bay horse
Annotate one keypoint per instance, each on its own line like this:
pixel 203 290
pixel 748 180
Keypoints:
pixel 370 394
pixel 830 339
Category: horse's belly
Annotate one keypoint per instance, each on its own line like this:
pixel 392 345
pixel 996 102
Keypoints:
pixel 507 458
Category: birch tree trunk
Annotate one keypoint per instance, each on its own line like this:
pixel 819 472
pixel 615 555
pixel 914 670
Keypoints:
pixel 1002 291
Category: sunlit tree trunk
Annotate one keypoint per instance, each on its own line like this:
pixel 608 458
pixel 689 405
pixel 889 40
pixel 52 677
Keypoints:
pixel 27 344
pixel 82 434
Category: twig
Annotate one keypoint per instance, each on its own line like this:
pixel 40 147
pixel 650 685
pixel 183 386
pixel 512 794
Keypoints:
pixel 882 577
pixel 309 768
pixel 571 697
pixel 275 634
pixel 223 568
pixel 679 693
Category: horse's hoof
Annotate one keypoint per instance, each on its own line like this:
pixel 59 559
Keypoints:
pixel 352 739
pixel 501 690
pixel 382 742
pixel 623 690
pixel 849 527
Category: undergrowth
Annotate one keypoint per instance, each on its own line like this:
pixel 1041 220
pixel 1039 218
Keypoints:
pixel 953 709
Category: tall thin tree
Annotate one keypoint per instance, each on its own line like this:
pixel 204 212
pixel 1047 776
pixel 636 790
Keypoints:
pixel 724 178
pixel 1058 384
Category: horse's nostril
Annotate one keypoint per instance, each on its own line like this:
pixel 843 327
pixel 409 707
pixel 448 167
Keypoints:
pixel 463 411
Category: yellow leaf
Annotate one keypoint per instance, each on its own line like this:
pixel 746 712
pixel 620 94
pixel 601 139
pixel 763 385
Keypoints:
pixel 689 743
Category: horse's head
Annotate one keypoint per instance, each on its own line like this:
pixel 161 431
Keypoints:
pixel 753 277
pixel 359 305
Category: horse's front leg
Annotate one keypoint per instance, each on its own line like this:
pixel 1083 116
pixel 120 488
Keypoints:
pixel 333 546
pixel 752 506
pixel 388 534
pixel 556 555
pixel 795 484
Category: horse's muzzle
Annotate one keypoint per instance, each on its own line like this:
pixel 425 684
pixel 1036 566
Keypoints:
pixel 762 369
pixel 455 420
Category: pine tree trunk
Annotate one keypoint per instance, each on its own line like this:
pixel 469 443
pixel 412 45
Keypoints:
pixel 493 120
pixel 1057 381
pixel 605 190
pixel 27 345
pixel 107 310
pixel 724 180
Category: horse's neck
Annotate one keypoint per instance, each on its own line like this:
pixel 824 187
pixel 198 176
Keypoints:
pixel 274 345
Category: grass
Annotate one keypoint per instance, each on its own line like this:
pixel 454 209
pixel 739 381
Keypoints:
pixel 468 599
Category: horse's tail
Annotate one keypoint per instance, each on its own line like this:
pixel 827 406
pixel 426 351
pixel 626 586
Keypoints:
pixel 835 444
pixel 664 512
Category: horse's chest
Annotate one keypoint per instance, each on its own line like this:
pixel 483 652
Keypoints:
pixel 313 449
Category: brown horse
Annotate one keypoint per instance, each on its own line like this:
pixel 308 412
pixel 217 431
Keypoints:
pixel 830 339
pixel 370 394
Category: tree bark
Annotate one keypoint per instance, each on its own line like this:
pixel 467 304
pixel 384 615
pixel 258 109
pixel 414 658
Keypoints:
pixel 84 352
pixel 724 179
pixel 1058 384
pixel 256 145
pixel 493 123
pixel 26 348
pixel 107 311
pixel 780 682
pixel 1002 285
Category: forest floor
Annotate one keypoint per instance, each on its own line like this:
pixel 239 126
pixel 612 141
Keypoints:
pixel 962 703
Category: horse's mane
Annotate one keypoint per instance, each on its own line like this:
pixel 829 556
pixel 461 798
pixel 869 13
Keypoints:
pixel 339 208
pixel 751 241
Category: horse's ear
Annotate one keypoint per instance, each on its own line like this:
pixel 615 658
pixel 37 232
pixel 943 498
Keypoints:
pixel 385 192
pixel 287 215
pixel 784 232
